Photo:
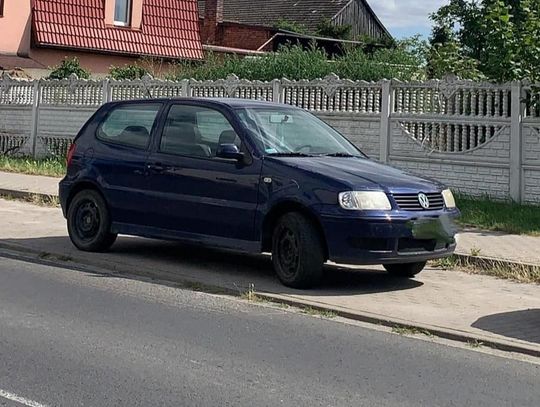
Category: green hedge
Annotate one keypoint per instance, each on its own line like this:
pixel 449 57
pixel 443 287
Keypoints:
pixel 295 63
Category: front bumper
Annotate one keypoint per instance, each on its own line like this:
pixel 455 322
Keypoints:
pixel 396 237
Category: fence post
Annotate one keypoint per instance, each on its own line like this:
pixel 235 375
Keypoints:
pixel 106 91
pixel 186 91
pixel 386 111
pixel 35 117
pixel 277 91
pixel 516 143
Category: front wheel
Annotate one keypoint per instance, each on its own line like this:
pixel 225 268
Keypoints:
pixel 89 222
pixel 297 251
pixel 407 270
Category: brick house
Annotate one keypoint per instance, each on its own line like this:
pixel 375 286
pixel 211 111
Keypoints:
pixel 249 24
pixel 36 34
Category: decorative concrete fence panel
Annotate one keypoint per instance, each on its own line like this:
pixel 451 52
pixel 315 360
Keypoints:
pixel 455 131
pixel 478 138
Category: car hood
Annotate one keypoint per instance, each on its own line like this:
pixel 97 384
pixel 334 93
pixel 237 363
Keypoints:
pixel 362 173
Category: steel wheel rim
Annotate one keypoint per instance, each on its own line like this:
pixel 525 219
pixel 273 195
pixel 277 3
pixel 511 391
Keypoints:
pixel 87 220
pixel 288 252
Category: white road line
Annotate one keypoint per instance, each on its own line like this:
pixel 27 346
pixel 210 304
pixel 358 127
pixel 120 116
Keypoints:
pixel 26 402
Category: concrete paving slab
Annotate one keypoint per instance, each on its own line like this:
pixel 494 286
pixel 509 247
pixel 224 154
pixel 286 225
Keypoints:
pixel 478 306
pixel 497 245
pixel 31 184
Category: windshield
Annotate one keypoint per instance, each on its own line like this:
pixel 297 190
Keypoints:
pixel 286 131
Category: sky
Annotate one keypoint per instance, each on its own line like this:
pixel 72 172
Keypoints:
pixel 404 18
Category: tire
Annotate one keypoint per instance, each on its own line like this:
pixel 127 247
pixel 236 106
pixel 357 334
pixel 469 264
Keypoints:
pixel 297 251
pixel 407 270
pixel 89 222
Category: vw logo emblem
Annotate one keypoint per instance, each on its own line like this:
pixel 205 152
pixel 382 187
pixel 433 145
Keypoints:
pixel 424 200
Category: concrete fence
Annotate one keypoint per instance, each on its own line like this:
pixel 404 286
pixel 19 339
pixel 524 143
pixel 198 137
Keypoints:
pixel 479 138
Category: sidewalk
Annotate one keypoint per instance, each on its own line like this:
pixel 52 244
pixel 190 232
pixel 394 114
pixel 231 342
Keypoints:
pixel 452 304
pixel 17 184
pixel 512 248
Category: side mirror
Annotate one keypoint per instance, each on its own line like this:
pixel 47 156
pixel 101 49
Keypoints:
pixel 229 152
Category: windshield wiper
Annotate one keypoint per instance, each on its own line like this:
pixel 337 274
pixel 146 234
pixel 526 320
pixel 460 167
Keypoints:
pixel 344 155
pixel 290 154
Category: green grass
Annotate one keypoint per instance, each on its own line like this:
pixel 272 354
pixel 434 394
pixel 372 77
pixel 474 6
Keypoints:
pixel 505 217
pixel 53 167
pixel 410 331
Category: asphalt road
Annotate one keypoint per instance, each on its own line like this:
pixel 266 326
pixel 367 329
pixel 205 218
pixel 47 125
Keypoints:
pixel 70 338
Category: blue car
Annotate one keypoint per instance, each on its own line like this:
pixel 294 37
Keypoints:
pixel 249 176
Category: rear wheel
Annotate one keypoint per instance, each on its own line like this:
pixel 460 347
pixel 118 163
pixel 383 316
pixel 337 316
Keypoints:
pixel 297 251
pixel 89 222
pixel 407 270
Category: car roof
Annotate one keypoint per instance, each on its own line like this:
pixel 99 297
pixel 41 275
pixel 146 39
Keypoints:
pixel 231 102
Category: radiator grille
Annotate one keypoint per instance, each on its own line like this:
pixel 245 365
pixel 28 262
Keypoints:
pixel 410 202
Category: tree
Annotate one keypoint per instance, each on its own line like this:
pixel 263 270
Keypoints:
pixel 500 37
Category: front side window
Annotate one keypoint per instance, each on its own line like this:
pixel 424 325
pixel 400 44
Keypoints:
pixel 294 131
pixel 122 12
pixel 196 131
pixel 130 125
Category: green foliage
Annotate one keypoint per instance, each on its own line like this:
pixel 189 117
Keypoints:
pixel 327 29
pixel 130 72
pixel 293 62
pixel 68 67
pixel 500 37
pixel 506 217
pixel 287 25
pixel 53 166
pixel 447 59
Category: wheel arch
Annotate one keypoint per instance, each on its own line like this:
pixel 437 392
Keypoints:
pixel 280 209
pixel 82 186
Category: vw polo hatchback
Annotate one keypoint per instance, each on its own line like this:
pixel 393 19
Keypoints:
pixel 249 176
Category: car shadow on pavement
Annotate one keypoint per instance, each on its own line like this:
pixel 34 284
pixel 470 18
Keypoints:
pixel 523 324
pixel 337 280
pixel 228 268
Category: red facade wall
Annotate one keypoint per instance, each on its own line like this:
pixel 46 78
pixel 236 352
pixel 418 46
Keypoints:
pixel 234 35
pixel 243 36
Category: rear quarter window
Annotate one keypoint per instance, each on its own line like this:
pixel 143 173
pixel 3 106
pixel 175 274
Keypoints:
pixel 129 125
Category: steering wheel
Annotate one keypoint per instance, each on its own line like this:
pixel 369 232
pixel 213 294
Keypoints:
pixel 298 149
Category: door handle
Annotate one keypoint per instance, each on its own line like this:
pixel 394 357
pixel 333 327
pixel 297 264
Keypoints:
pixel 158 167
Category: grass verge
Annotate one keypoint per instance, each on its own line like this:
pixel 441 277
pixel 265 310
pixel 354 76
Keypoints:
pixel 52 167
pixel 508 217
pixel 522 273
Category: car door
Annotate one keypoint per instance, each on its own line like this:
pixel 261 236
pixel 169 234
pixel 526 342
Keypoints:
pixel 119 158
pixel 195 192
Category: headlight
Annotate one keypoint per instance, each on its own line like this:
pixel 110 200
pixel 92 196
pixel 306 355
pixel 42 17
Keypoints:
pixel 449 200
pixel 364 201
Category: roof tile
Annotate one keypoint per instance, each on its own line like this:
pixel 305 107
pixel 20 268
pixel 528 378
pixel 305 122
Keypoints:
pixel 165 25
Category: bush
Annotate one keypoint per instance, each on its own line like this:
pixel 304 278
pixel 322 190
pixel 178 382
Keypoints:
pixel 130 72
pixel 68 67
pixel 295 63
pixel 286 25
pixel 327 29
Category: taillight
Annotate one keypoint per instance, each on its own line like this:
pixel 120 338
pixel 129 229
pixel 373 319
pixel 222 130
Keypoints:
pixel 70 153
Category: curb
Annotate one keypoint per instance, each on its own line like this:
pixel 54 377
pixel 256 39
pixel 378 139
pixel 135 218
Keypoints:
pixel 490 262
pixel 374 319
pixel 176 280
pixel 25 195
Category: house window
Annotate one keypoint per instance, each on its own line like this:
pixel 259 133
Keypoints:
pixel 122 12
pixel 1 8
